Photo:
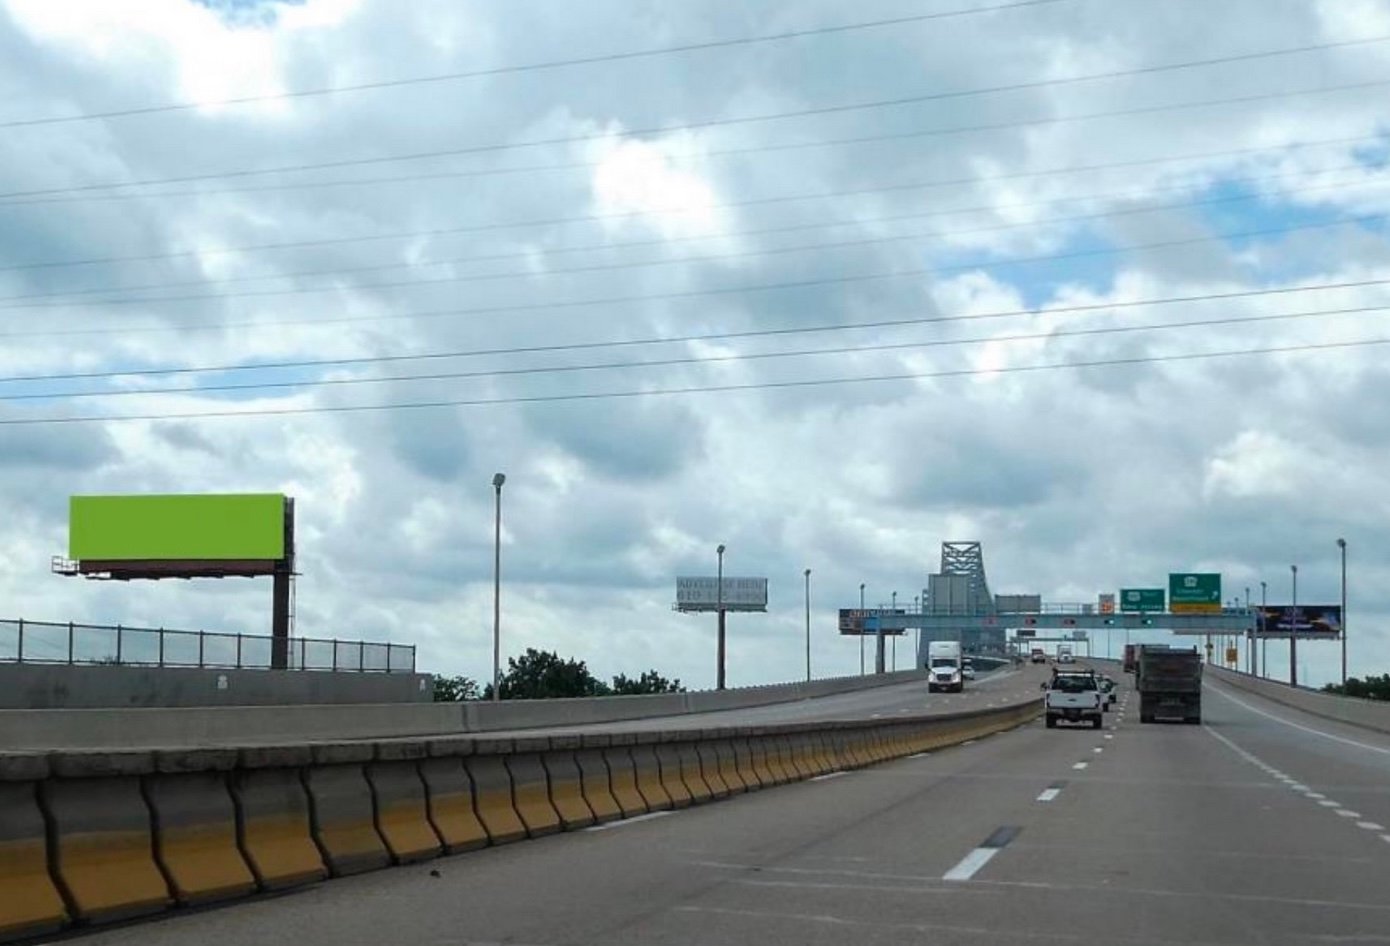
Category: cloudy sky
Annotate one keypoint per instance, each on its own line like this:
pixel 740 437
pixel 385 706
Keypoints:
pixel 915 270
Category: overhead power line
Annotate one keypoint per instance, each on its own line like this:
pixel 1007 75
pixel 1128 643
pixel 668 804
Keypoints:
pixel 724 291
pixel 456 231
pixel 695 389
pixel 76 296
pixel 711 123
pixel 532 67
pixel 707 336
pixel 698 293
pixel 315 383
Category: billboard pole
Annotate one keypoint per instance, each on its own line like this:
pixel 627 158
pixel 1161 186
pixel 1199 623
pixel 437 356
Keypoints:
pixel 1263 641
pixel 861 630
pixel 719 609
pixel 497 482
pixel 281 577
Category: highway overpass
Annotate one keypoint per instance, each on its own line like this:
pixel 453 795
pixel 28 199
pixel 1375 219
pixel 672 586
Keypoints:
pixel 1267 824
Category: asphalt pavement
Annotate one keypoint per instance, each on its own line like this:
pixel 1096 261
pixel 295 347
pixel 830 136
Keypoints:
pixel 1263 826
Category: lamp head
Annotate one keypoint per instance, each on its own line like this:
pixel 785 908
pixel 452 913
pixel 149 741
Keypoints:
pixel 719 551
pixel 498 479
pixel 1341 543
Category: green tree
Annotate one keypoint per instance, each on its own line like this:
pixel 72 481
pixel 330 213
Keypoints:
pixel 455 689
pixel 542 675
pixel 649 682
pixel 1371 688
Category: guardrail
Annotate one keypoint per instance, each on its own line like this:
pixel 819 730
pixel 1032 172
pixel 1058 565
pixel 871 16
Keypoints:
pixel 97 836
pixel 45 642
pixel 1367 714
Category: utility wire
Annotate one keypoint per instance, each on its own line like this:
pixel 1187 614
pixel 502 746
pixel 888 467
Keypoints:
pixel 714 122
pixel 67 297
pixel 727 290
pixel 454 231
pixel 699 389
pixel 530 67
pixel 691 359
pixel 708 336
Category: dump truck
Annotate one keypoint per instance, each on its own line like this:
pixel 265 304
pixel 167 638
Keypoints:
pixel 1169 683
pixel 1131 657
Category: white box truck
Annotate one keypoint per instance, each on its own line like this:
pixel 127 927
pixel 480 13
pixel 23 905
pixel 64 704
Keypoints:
pixel 944 667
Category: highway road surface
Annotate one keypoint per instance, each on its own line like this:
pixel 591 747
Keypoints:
pixel 1262 826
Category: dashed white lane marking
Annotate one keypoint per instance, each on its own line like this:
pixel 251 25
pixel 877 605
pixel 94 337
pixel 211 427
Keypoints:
pixel 1329 803
pixel 1344 813
pixel 1049 794
pixel 1098 749
pixel 627 821
pixel 1080 765
pixel 1315 796
pixel 828 775
pixel 1108 735
pixel 1385 838
pixel 970 864
pixel 1370 826
pixel 1298 786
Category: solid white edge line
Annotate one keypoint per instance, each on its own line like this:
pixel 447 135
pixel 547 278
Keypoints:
pixel 970 864
pixel 624 822
pixel 1293 725
pixel 1049 794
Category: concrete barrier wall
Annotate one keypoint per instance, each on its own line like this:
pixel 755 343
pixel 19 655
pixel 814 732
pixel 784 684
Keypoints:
pixel 180 727
pixel 88 837
pixel 59 686
pixel 1368 714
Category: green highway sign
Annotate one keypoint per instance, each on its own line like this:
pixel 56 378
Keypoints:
pixel 1143 599
pixel 1194 593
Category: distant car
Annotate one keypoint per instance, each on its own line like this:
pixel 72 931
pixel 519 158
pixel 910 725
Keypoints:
pixel 967 669
pixel 1038 656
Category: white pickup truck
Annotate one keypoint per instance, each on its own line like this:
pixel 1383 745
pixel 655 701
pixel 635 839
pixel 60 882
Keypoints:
pixel 1075 697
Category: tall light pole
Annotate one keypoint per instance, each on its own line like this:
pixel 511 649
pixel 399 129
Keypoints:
pixel 497 482
pixel 1342 545
pixel 862 622
pixel 808 625
pixel 719 610
pixel 1293 632
pixel 1250 645
pixel 1260 631
pixel 895 633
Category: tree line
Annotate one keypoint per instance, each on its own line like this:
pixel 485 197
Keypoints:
pixel 544 675
pixel 1371 688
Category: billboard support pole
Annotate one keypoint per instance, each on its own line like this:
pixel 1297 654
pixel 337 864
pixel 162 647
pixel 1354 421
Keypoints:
pixel 282 576
pixel 1293 632
pixel 719 609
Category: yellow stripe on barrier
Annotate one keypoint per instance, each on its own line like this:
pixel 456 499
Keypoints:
pixel 709 769
pixel 647 773
pixel 726 758
pixel 531 794
pixel 30 904
pixel 275 833
pixel 105 849
pixel 622 780
pixel 747 767
pixel 450 792
pixel 402 814
pixel 567 790
pixel 195 837
pixel 344 820
pixel 671 781
pixel 493 784
pixel 597 785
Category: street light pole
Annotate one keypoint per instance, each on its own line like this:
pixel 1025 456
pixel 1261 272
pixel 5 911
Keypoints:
pixel 1342 545
pixel 1260 632
pixel 719 609
pixel 862 622
pixel 1250 648
pixel 1293 632
pixel 808 625
pixel 895 634
pixel 497 482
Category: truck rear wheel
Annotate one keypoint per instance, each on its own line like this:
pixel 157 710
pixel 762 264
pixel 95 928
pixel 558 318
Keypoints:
pixel 1052 722
pixel 1096 723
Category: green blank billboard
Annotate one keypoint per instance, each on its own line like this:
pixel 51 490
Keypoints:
pixel 177 528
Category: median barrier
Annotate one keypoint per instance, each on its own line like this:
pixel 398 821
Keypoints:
pixel 31 905
pixel 691 774
pixel 567 789
pixel 597 785
pixel 449 792
pixel 492 784
pixel 622 781
pixel 104 850
pixel 274 827
pixel 195 836
pixel 343 817
pixel 402 808
pixel 95 836
pixel 531 793
pixel 669 758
